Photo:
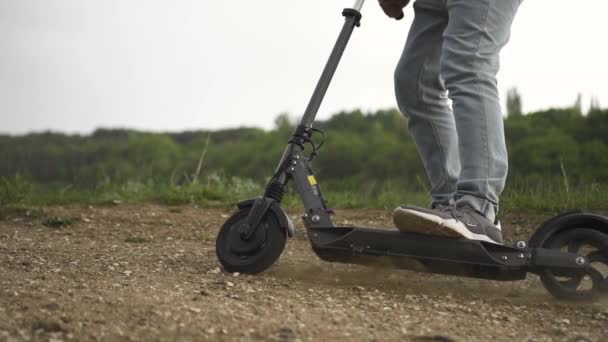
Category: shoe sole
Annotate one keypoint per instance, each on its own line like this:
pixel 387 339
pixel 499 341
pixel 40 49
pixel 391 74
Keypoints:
pixel 412 221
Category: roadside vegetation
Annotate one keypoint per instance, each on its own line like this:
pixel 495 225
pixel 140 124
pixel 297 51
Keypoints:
pixel 559 161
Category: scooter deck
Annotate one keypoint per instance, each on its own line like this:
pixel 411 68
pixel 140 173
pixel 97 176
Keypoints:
pixel 461 257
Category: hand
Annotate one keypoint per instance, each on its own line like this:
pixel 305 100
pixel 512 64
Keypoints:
pixel 393 8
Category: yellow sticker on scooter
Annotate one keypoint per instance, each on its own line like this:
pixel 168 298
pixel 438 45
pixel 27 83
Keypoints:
pixel 312 180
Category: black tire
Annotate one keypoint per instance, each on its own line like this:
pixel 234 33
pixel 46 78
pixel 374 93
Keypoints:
pixel 568 289
pixel 257 254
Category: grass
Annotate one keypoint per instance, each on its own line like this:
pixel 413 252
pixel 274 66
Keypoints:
pixel 538 199
pixel 47 219
pixel 551 196
pixel 555 198
pixel 57 222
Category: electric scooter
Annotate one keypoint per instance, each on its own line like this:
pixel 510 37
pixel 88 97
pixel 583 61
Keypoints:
pixel 568 252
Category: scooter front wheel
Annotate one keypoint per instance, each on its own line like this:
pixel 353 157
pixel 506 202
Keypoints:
pixel 253 255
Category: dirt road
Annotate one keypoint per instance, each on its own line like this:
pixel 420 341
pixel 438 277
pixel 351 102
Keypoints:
pixel 149 273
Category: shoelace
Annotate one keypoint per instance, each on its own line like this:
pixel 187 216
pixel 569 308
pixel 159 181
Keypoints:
pixel 453 210
pixel 457 212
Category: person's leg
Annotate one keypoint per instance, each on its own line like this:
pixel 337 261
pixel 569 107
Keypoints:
pixel 422 98
pixel 476 32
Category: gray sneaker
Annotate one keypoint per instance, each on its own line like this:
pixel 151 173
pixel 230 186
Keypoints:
pixel 448 221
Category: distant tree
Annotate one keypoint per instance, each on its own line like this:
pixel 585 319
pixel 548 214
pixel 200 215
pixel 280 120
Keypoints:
pixel 595 104
pixel 365 151
pixel 514 105
pixel 282 122
pixel 578 104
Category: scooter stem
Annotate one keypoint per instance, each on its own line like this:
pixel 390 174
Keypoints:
pixel 353 19
pixel 358 5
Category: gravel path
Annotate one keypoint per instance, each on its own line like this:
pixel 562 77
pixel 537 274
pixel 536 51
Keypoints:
pixel 149 273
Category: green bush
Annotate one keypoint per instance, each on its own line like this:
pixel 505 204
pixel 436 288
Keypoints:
pixel 14 190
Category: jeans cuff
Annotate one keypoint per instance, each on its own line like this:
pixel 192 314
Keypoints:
pixel 481 205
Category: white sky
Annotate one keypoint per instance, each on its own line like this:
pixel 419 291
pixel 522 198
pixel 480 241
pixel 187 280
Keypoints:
pixel 75 65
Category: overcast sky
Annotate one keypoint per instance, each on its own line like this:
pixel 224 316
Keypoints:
pixel 75 65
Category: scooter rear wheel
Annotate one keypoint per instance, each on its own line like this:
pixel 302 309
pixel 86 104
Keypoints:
pixel 593 280
pixel 254 255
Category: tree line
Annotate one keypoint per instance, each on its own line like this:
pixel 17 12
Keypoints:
pixel 375 149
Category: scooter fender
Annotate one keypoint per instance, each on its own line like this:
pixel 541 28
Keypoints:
pixel 278 212
pixel 567 221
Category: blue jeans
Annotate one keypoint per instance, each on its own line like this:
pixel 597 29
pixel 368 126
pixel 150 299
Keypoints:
pixel 452 53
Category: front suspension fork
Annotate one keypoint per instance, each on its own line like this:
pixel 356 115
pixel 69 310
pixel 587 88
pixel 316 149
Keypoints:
pixel 296 167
